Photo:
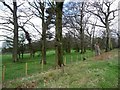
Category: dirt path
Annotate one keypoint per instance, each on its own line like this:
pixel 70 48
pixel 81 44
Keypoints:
pixel 106 55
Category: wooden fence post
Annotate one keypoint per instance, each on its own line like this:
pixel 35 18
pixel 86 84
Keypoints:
pixel 26 67
pixel 3 73
pixel 42 65
pixel 77 59
pixel 65 61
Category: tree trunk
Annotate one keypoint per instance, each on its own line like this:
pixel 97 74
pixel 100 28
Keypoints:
pixel 15 41
pixel 76 44
pixel 107 38
pixel 82 31
pixel 93 42
pixel 43 43
pixel 119 41
pixel 31 50
pixel 82 41
pixel 43 37
pixel 69 47
pixel 58 36
pixel 69 44
pixel 93 39
pixel 91 47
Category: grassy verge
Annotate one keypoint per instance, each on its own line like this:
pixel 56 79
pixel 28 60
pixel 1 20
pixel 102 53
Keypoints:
pixel 81 74
pixel 17 70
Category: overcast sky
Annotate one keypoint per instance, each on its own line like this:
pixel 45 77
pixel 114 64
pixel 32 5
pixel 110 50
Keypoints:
pixel 38 21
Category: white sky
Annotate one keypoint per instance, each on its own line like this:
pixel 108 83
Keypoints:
pixel 38 21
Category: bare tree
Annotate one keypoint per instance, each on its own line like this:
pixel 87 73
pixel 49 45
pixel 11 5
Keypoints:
pixel 15 41
pixel 106 15
pixel 67 42
pixel 40 11
pixel 91 34
pixel 16 21
pixel 117 32
pixel 75 17
pixel 21 45
pixel 15 30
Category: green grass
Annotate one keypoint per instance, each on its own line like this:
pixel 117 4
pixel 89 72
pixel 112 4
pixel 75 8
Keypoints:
pixel 80 74
pixel 0 68
pixel 17 70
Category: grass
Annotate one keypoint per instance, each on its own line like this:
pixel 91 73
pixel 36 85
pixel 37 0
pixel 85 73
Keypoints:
pixel 81 74
pixel 17 70
pixel 0 68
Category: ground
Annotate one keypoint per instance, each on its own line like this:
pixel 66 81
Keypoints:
pixel 96 72
pixel 105 56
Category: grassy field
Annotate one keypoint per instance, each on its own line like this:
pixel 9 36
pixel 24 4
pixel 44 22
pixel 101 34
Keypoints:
pixel 91 73
pixel 17 70
pixel 0 71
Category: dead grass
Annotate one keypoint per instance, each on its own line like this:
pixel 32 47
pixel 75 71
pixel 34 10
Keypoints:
pixel 105 56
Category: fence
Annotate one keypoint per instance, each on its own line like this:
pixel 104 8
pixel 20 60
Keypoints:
pixel 17 70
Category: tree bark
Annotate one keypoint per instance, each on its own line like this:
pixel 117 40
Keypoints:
pixel 93 38
pixel 82 41
pixel 107 37
pixel 68 44
pixel 15 41
pixel 44 27
pixel 58 36
pixel 119 41
pixel 82 30
pixel 43 42
pixel 91 42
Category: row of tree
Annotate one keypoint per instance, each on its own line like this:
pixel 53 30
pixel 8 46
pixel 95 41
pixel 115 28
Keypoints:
pixel 75 17
pixel 39 10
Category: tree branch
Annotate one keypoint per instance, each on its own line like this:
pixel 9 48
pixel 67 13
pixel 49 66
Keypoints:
pixel 8 6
